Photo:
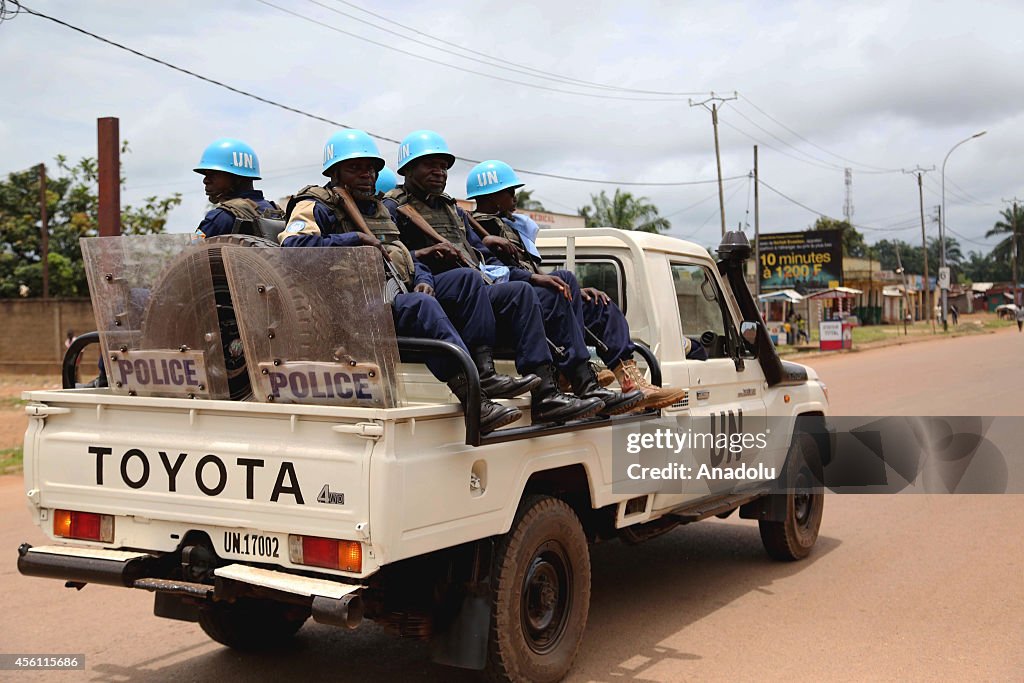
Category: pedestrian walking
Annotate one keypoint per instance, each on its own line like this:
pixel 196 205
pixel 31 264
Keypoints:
pixel 1019 315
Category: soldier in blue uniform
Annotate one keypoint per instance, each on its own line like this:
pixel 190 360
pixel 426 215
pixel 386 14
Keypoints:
pixel 346 212
pixel 493 185
pixel 441 234
pixel 228 167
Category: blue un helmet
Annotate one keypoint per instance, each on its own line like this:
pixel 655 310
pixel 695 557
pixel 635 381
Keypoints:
pixel 350 144
pixel 230 156
pixel 489 177
pixel 421 143
pixel 387 180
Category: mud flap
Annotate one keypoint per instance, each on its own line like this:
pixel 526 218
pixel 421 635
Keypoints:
pixel 464 643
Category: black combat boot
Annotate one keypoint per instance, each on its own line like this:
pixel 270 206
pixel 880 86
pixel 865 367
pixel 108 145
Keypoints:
pixel 492 415
pixel 585 385
pixel 496 385
pixel 551 405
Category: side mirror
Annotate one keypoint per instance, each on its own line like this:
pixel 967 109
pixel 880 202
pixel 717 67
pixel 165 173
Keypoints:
pixel 748 331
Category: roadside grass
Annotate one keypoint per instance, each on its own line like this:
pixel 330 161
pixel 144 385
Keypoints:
pixel 11 460
pixel 11 402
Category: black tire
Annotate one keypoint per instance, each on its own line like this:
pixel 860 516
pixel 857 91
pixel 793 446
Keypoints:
pixel 793 538
pixel 251 625
pixel 161 329
pixel 541 594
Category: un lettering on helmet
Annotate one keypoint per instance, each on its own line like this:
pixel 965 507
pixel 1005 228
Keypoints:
pixel 328 153
pixel 488 178
pixel 241 160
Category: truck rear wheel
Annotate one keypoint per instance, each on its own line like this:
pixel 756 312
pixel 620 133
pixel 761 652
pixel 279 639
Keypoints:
pixel 249 624
pixel 541 594
pixel 792 538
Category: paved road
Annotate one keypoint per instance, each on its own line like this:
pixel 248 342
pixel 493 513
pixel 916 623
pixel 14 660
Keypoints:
pixel 908 587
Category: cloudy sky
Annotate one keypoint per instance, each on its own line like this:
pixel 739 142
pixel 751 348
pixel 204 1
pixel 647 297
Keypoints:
pixel 552 87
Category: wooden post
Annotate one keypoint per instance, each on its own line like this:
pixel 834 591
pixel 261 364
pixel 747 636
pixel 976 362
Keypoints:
pixel 109 161
pixel 44 232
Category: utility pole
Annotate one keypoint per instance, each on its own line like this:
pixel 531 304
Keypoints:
pixel 109 172
pixel 714 100
pixel 1015 251
pixel 757 229
pixel 919 172
pixel 906 294
pixel 44 231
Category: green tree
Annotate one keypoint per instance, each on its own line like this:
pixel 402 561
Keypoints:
pixel 913 261
pixel 853 240
pixel 624 211
pixel 526 202
pixel 954 256
pixel 72 201
pixel 984 268
pixel 1011 224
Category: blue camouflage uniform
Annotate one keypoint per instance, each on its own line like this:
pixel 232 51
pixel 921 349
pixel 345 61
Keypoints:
pixel 459 314
pixel 519 318
pixel 560 321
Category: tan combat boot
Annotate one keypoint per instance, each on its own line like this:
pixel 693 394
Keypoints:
pixel 630 377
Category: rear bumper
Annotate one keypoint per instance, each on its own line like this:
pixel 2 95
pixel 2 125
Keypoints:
pixel 330 602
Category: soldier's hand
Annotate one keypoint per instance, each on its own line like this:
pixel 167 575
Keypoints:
pixel 552 282
pixel 371 241
pixel 500 245
pixel 424 288
pixel 591 294
pixel 444 251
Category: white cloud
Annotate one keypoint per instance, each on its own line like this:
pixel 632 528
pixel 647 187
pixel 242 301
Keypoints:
pixel 885 84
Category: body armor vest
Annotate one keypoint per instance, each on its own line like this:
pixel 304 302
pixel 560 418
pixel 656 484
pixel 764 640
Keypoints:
pixel 251 220
pixel 380 224
pixel 444 219
pixel 494 225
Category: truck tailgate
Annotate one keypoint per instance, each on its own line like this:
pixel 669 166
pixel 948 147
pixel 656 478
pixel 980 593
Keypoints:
pixel 173 465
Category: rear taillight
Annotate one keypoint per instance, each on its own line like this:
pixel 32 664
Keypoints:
pixel 84 526
pixel 313 551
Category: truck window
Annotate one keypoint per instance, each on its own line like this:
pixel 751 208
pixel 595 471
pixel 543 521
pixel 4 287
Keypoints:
pixel 700 305
pixel 601 273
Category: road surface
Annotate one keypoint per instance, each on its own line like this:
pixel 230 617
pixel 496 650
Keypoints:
pixel 899 587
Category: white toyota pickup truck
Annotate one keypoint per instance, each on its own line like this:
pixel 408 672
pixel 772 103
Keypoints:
pixel 254 464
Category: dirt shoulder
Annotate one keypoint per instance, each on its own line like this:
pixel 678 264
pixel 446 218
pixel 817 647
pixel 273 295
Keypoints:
pixel 12 409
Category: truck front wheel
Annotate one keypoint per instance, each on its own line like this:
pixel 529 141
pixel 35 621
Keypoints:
pixel 541 593
pixel 251 625
pixel 804 500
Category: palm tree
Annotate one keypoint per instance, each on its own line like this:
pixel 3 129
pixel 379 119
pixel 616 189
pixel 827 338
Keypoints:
pixel 624 211
pixel 526 202
pixel 1012 224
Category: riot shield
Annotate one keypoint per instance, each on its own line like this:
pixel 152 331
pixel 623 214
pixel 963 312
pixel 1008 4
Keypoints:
pixel 153 299
pixel 315 324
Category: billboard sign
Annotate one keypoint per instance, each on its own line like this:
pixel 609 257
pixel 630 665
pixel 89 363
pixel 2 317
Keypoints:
pixel 803 261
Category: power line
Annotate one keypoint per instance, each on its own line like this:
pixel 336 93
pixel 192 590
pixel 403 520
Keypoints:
pixel 794 147
pixel 825 215
pixel 322 119
pixel 454 66
pixel 478 56
pixel 812 144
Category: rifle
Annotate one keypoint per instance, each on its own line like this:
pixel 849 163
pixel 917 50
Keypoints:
pixel 394 280
pixel 420 222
